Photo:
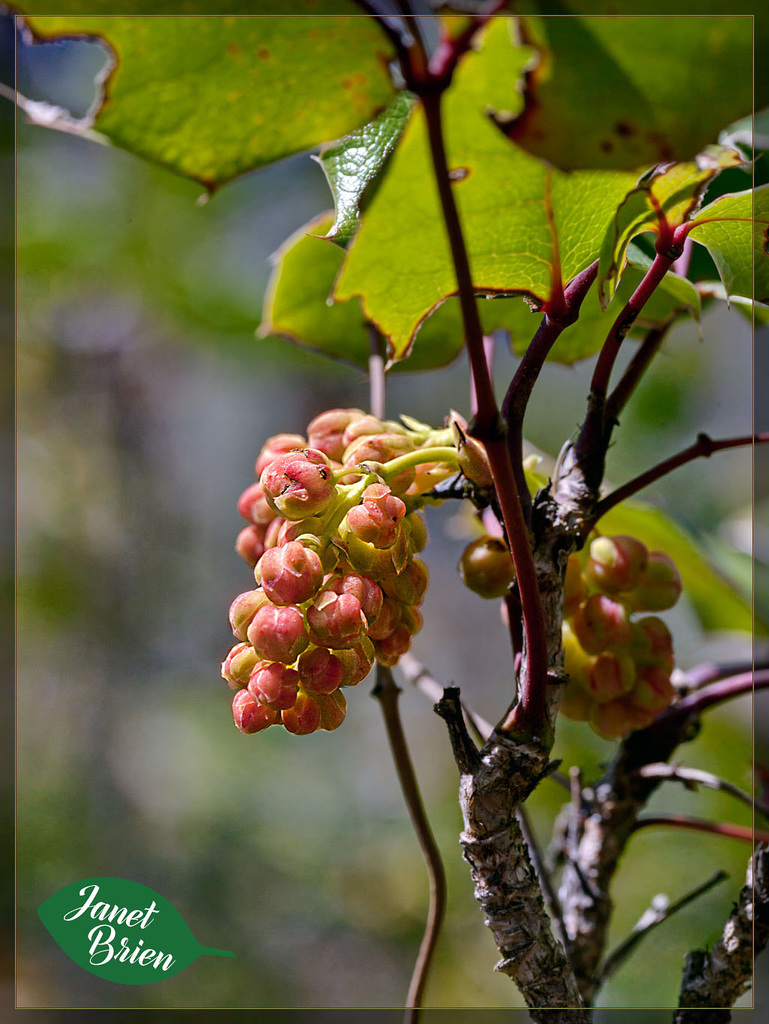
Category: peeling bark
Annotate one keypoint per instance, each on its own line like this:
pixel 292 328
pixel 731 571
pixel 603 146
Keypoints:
pixel 713 981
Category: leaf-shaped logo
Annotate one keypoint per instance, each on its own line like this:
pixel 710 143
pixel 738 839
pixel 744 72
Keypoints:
pixel 121 931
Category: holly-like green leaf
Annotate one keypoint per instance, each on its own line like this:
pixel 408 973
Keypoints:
pixel 526 227
pixel 675 297
pixel 632 91
pixel 671 194
pixel 297 307
pixel 121 931
pixel 735 231
pixel 214 97
pixel 353 165
pixel 717 604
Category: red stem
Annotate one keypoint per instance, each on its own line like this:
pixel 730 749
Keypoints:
pixel 701 825
pixel 703 447
pixel 591 440
pixel 716 693
pixel 530 717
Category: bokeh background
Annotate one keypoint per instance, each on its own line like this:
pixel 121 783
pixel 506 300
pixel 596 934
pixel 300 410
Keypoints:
pixel 143 398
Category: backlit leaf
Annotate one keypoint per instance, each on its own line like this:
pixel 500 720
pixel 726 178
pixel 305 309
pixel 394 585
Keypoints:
pixel 735 231
pixel 628 92
pixel 214 97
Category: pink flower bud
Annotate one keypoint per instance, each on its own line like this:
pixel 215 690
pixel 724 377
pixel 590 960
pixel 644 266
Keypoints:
pixel 416 532
pixel 388 618
pixel 471 454
pixel 251 717
pixel 368 593
pixel 243 609
pixel 382 448
pixel 326 432
pixel 660 586
pixel 238 666
pixel 253 506
pixel 617 719
pixel 278 634
pixel 389 650
pixel 304 717
pixel 616 563
pixel 613 675
pixel 272 537
pixel 574 590
pixel 410 585
pixel 357 662
pixel 653 690
pixel 333 708
pixel 250 544
pixel 600 624
pixel 320 671
pixel 576 703
pixel 336 620
pixel 364 426
pixel 652 643
pixel 275 446
pixel 299 484
pixel 376 519
pixel 272 683
pixel 486 567
pixel 290 574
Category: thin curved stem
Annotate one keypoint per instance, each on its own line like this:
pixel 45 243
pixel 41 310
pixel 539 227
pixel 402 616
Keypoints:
pixel 636 368
pixel 386 691
pixel 703 447
pixel 720 828
pixel 376 372
pixel 530 715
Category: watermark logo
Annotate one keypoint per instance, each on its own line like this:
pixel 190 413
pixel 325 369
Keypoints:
pixel 121 931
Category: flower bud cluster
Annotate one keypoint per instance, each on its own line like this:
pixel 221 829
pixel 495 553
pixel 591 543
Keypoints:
pixel 332 536
pixel 619 665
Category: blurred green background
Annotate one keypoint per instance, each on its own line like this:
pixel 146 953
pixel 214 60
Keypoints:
pixel 143 399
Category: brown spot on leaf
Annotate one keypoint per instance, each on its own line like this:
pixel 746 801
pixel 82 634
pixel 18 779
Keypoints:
pixel 233 49
pixel 624 129
pixel 606 146
pixel 263 53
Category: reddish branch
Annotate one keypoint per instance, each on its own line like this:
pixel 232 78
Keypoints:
pixel 703 447
pixel 700 825
pixel 530 716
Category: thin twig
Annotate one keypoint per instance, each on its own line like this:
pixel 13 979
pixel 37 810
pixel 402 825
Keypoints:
pixel 386 692
pixel 721 828
pixel 634 372
pixel 715 693
pixel 420 677
pixel 548 892
pixel 693 777
pixel 517 397
pixel 590 448
pixel 703 447
pixel 376 372
pixel 660 910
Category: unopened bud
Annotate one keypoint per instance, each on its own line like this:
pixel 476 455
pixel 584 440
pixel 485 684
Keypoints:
pixel 249 715
pixel 389 650
pixel 336 620
pixel 304 717
pixel 238 665
pixel 486 567
pixel 376 519
pixel 278 634
pixel 250 544
pixel 653 690
pixel 368 593
pixel 320 671
pixel 613 675
pixel 326 432
pixel 243 609
pixel 659 588
pixel 275 446
pixel 574 589
pixel 299 484
pixel 254 507
pixel 616 563
pixel 600 624
pixel 333 708
pixel 274 684
pixel 408 586
pixel 471 454
pixel 290 574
